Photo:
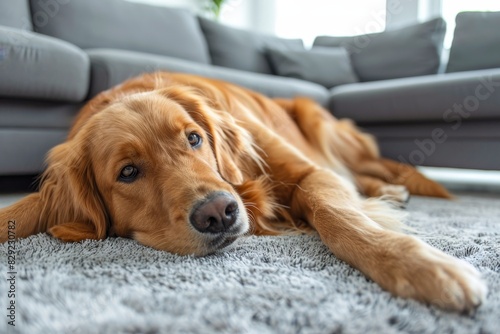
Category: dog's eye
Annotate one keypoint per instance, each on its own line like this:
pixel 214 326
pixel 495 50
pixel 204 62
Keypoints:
pixel 195 140
pixel 128 173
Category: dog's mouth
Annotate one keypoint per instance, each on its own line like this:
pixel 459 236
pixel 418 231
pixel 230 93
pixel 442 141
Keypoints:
pixel 225 239
pixel 222 242
pixel 219 219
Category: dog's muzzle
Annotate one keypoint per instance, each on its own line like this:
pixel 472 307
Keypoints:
pixel 215 214
pixel 219 219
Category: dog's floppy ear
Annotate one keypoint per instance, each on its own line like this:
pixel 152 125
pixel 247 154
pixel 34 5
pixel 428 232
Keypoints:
pixel 72 196
pixel 68 200
pixel 231 144
pixel 228 147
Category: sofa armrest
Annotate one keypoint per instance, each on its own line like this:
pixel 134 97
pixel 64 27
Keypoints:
pixel 35 66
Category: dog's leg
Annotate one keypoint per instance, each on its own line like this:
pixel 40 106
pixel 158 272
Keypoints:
pixel 374 187
pixel 341 141
pixel 358 231
pixel 399 263
pixel 21 219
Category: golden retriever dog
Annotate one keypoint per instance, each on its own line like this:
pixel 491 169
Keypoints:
pixel 188 164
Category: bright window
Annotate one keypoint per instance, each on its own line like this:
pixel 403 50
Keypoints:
pixel 308 19
pixel 450 9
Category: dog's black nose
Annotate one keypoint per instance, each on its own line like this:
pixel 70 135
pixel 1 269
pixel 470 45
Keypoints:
pixel 215 214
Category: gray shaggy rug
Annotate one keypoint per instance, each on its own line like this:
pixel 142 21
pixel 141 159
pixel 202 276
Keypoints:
pixel 260 285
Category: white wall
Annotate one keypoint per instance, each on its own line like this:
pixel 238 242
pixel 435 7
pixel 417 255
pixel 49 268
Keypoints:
pixel 237 13
pixel 257 15
pixel 298 19
pixel 194 5
pixel 428 9
pixel 307 20
pixel 401 12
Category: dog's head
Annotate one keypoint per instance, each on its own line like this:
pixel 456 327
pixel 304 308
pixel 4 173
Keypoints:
pixel 159 167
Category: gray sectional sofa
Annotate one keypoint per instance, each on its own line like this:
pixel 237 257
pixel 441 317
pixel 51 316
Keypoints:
pixel 57 54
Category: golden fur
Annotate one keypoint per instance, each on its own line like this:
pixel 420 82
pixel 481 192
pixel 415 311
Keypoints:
pixel 289 165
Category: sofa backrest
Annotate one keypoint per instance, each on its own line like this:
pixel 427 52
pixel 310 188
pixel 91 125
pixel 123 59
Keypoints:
pixel 242 49
pixel 405 52
pixel 15 14
pixel 476 42
pixel 120 24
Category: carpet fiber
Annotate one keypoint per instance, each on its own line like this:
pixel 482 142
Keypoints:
pixel 260 285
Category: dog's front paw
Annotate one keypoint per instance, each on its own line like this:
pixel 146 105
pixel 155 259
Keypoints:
pixel 434 277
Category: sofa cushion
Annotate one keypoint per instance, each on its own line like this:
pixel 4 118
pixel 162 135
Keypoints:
pixel 35 66
pixel 406 52
pixel 15 14
pixel 27 113
pixel 23 151
pixel 124 25
pixel 449 98
pixel 440 144
pixel 242 49
pixel 110 67
pixel 326 66
pixel 476 42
